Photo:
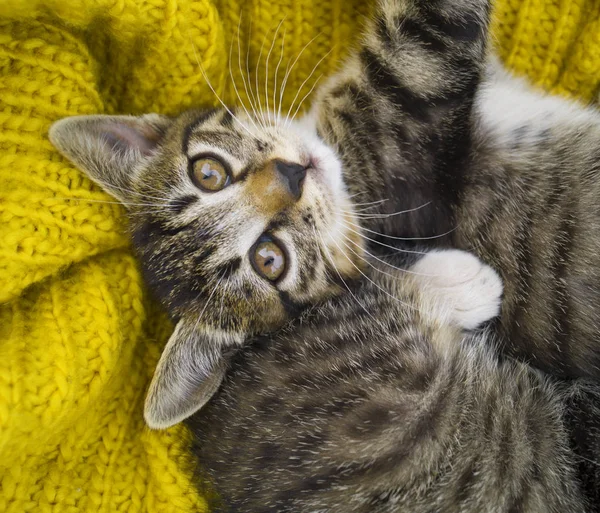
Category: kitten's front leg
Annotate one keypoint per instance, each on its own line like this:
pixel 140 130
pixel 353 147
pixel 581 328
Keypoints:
pixel 419 62
pixel 460 281
pixel 399 113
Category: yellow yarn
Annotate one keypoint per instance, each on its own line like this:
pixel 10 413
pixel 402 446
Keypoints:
pixel 79 337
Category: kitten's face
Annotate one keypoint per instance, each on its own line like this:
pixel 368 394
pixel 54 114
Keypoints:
pixel 237 226
pixel 254 222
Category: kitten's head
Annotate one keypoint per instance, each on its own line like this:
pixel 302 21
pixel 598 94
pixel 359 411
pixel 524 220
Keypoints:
pixel 238 224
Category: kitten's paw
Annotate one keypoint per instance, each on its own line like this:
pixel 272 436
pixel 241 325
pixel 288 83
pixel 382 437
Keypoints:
pixel 471 288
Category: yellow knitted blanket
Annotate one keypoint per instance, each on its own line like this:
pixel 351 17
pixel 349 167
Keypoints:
pixel 79 338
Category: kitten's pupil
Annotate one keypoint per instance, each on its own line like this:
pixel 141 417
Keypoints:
pixel 210 175
pixel 268 259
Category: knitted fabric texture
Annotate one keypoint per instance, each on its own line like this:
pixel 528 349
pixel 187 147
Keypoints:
pixel 79 336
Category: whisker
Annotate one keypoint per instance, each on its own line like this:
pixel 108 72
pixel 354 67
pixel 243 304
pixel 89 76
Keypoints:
pixel 124 203
pixel 302 85
pixel 208 299
pixel 332 262
pixel 597 463
pixel 385 216
pixel 215 92
pixel 408 271
pixel 233 78
pixel 267 69
pixel 288 72
pixel 256 79
pixel 374 203
pixel 356 194
pixel 249 91
pixel 277 120
pixel 369 279
pixel 289 121
pixel 221 311
pixel 159 194
pixel 239 54
pixel 106 186
pixel 306 80
pixel 152 211
pixel 411 251
pixel 431 237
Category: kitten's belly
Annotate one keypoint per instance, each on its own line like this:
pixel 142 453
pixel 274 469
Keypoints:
pixel 531 211
pixel 550 265
pixel 528 205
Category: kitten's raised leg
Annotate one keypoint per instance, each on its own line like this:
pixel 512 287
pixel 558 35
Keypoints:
pixel 399 113
pixel 471 289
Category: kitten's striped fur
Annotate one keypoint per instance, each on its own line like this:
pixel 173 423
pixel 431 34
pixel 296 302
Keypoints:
pixel 504 171
pixel 366 403
pixel 407 413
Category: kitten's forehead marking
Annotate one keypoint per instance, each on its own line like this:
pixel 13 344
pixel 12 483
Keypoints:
pixel 193 126
pixel 219 128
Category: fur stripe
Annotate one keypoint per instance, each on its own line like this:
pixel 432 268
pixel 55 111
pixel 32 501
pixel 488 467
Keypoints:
pixel 189 130
pixel 388 83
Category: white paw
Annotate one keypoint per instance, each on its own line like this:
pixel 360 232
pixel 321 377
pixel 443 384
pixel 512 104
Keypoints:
pixel 472 289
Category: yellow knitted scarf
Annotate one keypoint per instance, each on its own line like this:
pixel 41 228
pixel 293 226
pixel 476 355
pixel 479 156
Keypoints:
pixel 79 337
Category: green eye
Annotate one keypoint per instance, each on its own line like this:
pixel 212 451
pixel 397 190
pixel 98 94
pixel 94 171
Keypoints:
pixel 268 259
pixel 209 174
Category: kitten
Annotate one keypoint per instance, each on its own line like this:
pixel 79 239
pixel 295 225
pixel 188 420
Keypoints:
pixel 257 223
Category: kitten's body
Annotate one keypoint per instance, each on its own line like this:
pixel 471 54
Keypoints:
pixel 412 120
pixel 370 405
pixel 490 166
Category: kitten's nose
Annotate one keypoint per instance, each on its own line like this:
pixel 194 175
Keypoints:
pixel 293 175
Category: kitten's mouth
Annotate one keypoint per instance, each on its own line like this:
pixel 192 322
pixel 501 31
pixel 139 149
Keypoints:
pixel 313 163
pixel 316 168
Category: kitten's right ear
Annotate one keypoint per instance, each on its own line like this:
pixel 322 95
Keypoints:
pixel 188 373
pixel 108 148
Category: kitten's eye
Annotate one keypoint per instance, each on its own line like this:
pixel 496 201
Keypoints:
pixel 268 259
pixel 210 174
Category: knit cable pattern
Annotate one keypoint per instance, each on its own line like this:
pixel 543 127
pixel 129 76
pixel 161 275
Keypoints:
pixel 79 336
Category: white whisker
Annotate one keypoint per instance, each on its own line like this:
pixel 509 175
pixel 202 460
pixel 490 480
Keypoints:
pixel 125 203
pixel 408 271
pixel 288 72
pixel 302 85
pixel 372 204
pixel 369 279
pixel 233 78
pixel 402 238
pixel 208 300
pixel 267 70
pixel 215 92
pixel 106 187
pixel 332 262
pixel 385 216
pixel 276 74
pixel 305 97
pixel 414 252
pixel 261 111
pixel 250 92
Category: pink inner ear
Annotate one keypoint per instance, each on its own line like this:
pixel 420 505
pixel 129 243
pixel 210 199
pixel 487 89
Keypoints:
pixel 142 138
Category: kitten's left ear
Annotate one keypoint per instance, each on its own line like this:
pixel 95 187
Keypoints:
pixel 108 148
pixel 188 374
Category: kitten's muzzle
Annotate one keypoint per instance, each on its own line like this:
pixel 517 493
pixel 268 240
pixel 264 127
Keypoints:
pixel 293 176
